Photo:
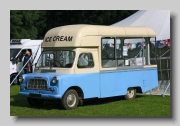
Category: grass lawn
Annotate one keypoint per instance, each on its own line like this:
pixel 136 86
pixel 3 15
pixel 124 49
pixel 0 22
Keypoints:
pixel 142 105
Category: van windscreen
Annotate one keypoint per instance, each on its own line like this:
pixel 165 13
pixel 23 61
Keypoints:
pixel 56 58
pixel 13 53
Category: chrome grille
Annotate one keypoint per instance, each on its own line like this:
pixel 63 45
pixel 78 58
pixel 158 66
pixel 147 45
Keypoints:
pixel 39 84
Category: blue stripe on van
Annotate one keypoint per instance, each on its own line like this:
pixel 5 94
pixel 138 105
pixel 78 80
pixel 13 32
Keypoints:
pixel 111 83
pixel 116 82
pixel 101 84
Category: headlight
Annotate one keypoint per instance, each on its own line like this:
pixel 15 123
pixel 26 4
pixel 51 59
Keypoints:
pixel 55 80
pixel 21 79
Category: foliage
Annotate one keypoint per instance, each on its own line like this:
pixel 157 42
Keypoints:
pixel 34 24
pixel 22 24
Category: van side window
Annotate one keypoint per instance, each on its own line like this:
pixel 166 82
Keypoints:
pixel 85 60
pixel 108 52
pixel 134 52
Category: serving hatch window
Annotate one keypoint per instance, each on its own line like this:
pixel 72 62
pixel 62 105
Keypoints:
pixel 119 52
pixel 133 52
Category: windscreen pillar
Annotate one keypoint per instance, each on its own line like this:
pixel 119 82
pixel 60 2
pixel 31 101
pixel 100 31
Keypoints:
pixel 147 51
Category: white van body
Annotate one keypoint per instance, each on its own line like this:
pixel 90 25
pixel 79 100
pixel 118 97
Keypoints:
pixel 18 48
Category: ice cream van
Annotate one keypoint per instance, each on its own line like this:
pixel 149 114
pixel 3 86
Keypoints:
pixel 82 61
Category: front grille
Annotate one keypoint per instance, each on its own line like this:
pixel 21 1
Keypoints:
pixel 38 84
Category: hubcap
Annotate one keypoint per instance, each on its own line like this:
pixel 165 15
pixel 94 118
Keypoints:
pixel 130 93
pixel 71 100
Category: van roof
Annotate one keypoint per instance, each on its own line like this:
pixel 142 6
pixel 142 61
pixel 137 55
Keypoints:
pixel 26 43
pixel 72 35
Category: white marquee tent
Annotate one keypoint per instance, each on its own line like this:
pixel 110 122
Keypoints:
pixel 158 20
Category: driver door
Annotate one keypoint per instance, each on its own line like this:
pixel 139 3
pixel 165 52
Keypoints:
pixel 20 60
pixel 87 71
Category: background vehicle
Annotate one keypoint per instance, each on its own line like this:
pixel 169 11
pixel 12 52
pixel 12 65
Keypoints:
pixel 18 48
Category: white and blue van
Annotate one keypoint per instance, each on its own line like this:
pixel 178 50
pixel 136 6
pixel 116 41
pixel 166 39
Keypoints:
pixel 90 61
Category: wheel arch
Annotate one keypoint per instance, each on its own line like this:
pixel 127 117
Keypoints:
pixel 13 74
pixel 138 89
pixel 78 90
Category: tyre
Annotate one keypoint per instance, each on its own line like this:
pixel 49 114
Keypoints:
pixel 131 94
pixel 80 102
pixel 16 81
pixel 35 102
pixel 70 99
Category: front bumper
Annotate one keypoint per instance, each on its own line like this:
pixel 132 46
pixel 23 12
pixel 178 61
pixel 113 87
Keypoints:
pixel 42 96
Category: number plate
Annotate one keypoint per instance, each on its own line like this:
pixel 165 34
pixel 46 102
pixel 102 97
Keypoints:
pixel 35 95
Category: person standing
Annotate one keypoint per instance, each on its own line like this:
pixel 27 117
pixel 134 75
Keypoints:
pixel 27 67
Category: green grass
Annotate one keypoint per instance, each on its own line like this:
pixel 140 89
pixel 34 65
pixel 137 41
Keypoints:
pixel 142 105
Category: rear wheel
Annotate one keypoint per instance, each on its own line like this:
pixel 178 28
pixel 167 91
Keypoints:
pixel 131 94
pixel 70 99
pixel 35 102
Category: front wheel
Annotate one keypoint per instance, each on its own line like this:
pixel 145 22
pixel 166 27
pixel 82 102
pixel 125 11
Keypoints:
pixel 131 94
pixel 16 81
pixel 70 99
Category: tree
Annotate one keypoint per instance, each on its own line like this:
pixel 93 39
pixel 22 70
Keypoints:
pixel 22 24
pixel 34 24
